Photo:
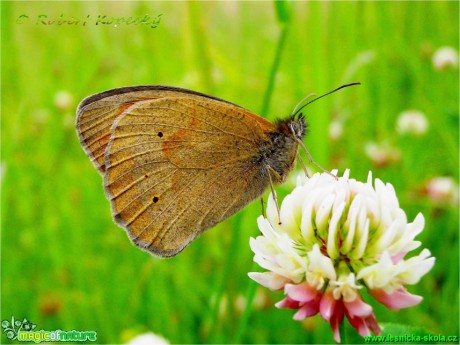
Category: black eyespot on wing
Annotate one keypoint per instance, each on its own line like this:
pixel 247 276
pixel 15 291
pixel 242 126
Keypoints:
pixel 155 199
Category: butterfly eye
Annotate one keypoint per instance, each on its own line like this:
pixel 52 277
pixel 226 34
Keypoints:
pixel 294 128
pixel 297 128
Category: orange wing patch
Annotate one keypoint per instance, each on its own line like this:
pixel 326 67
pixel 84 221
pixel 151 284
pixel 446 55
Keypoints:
pixel 176 140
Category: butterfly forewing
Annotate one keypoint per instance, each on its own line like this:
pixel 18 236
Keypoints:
pixel 175 163
pixel 96 114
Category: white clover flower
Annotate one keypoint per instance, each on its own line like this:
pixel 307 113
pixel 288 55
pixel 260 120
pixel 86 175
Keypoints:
pixel 336 238
pixel 412 122
pixel 335 130
pixel 444 58
pixel 63 100
pixel 149 338
pixel 382 154
pixel 442 190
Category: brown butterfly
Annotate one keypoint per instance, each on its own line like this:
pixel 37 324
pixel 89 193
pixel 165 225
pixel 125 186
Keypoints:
pixel 176 162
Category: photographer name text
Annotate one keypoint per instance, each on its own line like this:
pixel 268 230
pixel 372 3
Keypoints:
pixel 152 21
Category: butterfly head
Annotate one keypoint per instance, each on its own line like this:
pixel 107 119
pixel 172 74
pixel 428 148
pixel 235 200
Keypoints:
pixel 295 128
pixel 298 127
pixel 279 155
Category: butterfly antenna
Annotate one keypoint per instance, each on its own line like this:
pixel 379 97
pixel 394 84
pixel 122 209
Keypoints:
pixel 319 97
pixel 303 99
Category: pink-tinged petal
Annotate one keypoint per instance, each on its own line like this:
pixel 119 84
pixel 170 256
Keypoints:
pixel 300 315
pixel 327 305
pixel 303 293
pixel 360 325
pixel 358 308
pixel 306 310
pixel 288 303
pixel 371 322
pixel 337 319
pixel 364 325
pixel 398 299
pixel 398 257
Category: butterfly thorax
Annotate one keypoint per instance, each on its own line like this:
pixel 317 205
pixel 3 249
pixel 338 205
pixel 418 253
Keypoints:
pixel 280 152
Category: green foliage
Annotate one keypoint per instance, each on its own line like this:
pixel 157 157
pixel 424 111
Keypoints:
pixel 66 265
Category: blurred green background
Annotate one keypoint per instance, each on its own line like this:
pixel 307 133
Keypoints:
pixel 65 264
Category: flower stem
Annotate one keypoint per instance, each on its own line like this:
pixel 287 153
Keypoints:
pixel 343 333
pixel 199 44
pixel 250 293
pixel 273 70
pixel 226 276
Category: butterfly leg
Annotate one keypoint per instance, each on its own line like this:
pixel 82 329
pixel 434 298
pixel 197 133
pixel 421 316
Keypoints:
pixel 303 165
pixel 310 158
pixel 274 193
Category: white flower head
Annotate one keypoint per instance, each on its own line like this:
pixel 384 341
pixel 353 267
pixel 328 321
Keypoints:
pixel 63 100
pixel 149 338
pixel 444 58
pixel 335 130
pixel 337 237
pixel 412 122
pixel 443 190
pixel 382 154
